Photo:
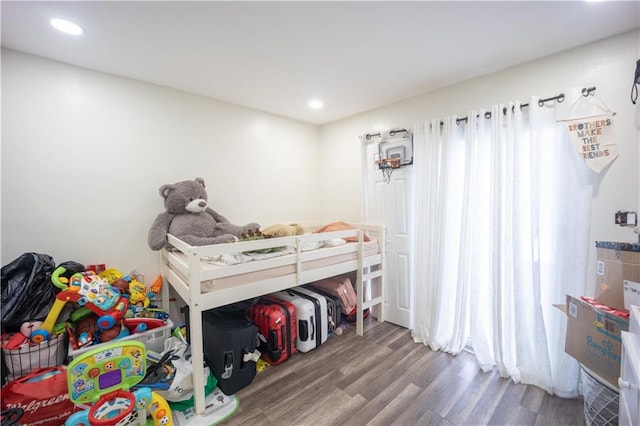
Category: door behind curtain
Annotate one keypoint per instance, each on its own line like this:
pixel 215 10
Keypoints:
pixel 390 204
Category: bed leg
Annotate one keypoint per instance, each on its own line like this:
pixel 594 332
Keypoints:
pixel 197 357
pixel 359 305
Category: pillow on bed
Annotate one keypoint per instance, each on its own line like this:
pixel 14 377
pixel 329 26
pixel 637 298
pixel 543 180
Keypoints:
pixel 334 242
pixel 341 226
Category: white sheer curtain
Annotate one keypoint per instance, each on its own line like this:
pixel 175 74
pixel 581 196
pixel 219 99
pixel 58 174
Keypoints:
pixel 502 233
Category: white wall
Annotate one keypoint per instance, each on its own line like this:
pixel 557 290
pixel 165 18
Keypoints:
pixel 608 64
pixel 84 154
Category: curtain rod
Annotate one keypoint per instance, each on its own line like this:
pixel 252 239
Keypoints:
pixel 391 133
pixel 560 98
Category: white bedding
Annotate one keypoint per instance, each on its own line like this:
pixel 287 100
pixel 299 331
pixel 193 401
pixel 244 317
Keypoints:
pixel 227 259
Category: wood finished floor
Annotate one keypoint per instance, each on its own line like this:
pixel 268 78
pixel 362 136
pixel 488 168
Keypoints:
pixel 386 379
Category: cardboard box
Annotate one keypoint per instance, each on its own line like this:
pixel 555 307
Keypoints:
pixel 594 338
pixel 617 263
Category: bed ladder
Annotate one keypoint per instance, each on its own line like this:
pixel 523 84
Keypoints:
pixel 375 272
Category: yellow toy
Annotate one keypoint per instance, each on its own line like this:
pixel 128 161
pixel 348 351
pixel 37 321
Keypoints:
pixel 103 377
pixel 138 294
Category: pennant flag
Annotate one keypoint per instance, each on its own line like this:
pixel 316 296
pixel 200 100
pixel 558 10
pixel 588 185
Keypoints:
pixel 595 140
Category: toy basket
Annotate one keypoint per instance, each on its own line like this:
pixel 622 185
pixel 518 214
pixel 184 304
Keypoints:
pixel 153 340
pixel 50 353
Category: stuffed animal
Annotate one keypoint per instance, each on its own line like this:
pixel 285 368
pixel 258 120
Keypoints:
pixel 187 217
pixel 280 230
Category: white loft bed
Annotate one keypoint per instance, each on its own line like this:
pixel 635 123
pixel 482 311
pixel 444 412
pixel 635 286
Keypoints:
pixel 203 285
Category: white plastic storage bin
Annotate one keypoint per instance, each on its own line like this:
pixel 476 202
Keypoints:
pixel 601 401
pixel 153 339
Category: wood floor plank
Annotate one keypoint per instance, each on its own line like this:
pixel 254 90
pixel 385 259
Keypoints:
pixel 533 398
pixel 430 418
pixel 507 409
pixel 563 411
pixel 339 407
pixel 378 402
pixel 248 417
pixel 461 409
pixel 301 403
pixel 432 369
pixel 377 378
pixel 401 340
pixel 447 391
pixel 486 405
pixel 414 411
pixel 396 406
pixel 523 416
pixel 386 378
pixel 356 372
pixel 315 403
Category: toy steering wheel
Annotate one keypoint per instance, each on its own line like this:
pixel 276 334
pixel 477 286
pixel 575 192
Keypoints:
pixel 112 408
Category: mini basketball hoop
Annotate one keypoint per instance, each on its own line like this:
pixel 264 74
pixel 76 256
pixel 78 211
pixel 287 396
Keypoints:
pixel 387 166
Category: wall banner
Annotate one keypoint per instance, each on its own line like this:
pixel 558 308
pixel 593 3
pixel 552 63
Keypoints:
pixel 595 139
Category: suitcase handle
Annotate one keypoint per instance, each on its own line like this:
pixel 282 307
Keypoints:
pixel 303 330
pixel 272 346
pixel 228 365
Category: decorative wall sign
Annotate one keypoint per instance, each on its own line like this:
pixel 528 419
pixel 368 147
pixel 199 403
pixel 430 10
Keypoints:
pixel 594 139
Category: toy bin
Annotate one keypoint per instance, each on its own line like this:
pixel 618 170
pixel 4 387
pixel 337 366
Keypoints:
pixel 49 353
pixel 153 339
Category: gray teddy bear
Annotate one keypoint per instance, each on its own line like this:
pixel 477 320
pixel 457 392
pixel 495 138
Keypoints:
pixel 188 218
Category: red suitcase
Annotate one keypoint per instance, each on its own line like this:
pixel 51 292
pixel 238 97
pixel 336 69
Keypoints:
pixel 277 324
pixel 341 288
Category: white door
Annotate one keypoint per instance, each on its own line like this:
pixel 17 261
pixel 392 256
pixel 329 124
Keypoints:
pixel 390 204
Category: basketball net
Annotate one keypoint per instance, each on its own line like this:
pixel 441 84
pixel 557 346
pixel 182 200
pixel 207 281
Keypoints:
pixel 387 166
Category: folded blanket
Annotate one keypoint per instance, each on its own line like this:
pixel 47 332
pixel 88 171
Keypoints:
pixel 341 226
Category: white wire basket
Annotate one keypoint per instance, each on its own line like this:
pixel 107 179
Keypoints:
pixel 600 401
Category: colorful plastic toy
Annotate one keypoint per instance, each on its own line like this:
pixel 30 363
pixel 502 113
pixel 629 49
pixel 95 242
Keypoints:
pixel 138 294
pixel 103 377
pixel 156 287
pixel 87 289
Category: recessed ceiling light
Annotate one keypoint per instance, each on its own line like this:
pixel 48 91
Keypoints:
pixel 67 27
pixel 315 104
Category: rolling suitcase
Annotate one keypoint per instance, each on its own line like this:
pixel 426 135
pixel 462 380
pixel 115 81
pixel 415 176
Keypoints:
pixel 334 309
pixel 321 311
pixel 341 288
pixel 277 325
pixel 230 342
pixel 304 313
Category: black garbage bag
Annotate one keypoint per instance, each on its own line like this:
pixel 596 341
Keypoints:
pixel 27 291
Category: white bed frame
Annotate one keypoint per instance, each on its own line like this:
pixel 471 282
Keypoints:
pixel 182 270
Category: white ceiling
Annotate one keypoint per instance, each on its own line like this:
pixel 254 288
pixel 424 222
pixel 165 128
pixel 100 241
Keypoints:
pixel 276 56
